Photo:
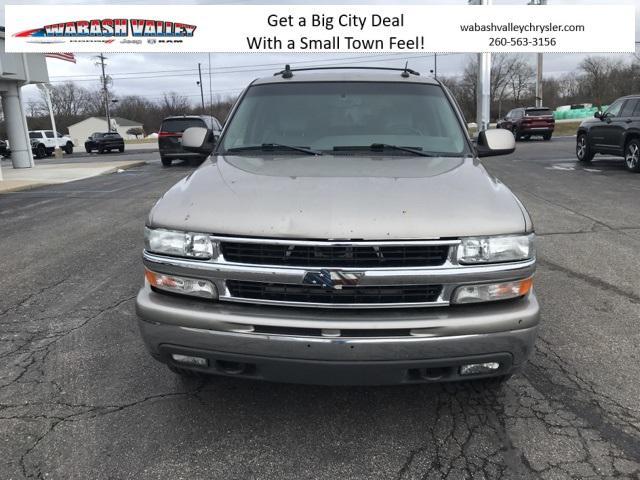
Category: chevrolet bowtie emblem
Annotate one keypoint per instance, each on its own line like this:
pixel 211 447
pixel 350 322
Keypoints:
pixel 332 279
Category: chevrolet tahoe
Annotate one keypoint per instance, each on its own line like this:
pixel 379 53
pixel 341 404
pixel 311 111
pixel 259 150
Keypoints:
pixel 343 231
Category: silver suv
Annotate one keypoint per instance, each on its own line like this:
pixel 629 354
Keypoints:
pixel 342 232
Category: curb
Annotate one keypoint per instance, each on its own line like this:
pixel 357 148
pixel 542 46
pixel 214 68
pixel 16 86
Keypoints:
pixel 31 186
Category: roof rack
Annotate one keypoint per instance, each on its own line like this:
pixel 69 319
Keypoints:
pixel 288 71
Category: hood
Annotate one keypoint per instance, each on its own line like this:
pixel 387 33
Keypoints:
pixel 340 197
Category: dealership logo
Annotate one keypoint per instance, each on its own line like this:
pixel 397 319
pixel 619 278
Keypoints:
pixel 112 27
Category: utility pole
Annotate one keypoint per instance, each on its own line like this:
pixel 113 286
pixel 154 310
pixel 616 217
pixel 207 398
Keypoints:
pixel 105 91
pixel 435 65
pixel 483 94
pixel 210 91
pixel 200 83
pixel 539 68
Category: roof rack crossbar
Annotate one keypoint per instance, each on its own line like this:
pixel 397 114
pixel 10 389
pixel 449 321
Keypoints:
pixel 288 71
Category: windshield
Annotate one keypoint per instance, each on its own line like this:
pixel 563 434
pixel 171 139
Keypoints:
pixel 328 116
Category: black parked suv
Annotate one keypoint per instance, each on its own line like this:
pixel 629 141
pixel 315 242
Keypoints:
pixel 613 132
pixel 170 137
pixel 104 142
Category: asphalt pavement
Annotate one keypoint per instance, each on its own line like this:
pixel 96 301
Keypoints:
pixel 80 398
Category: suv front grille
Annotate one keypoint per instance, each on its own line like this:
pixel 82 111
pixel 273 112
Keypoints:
pixel 356 256
pixel 377 295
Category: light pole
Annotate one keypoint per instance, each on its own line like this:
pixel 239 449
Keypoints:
pixel 539 68
pixel 483 94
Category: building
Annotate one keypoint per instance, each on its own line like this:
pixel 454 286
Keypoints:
pixel 17 70
pixel 80 131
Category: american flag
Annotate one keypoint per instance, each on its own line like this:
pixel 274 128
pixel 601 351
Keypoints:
pixel 67 57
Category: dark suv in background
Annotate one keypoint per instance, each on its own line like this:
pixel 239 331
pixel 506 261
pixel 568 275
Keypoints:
pixel 170 137
pixel 104 142
pixel 613 132
pixel 525 122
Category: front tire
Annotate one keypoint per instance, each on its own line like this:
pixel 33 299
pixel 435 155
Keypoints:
pixel 516 135
pixel 100 150
pixel 632 155
pixel 583 150
pixel 87 149
pixel 547 137
pixel 121 149
pixel 166 162
pixel 68 148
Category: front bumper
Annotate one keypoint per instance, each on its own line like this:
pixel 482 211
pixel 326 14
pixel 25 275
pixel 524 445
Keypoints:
pixel 436 341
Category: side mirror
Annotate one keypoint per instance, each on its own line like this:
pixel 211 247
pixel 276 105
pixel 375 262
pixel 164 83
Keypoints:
pixel 495 142
pixel 598 115
pixel 198 140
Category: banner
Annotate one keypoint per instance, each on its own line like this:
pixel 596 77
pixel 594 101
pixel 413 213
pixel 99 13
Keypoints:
pixel 320 28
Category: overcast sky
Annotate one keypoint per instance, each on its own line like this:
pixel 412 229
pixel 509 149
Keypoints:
pixel 231 72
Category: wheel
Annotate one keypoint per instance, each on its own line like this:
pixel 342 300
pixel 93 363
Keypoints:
pixel 184 372
pixel 166 162
pixel 516 135
pixel 547 136
pixel 68 148
pixel 632 155
pixel 583 150
pixel 87 149
pixel 41 151
pixel 121 149
pixel 100 149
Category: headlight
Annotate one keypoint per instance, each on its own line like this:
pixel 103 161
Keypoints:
pixel 179 244
pixel 511 248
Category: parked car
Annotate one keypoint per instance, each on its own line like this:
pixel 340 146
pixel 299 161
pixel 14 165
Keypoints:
pixel 104 142
pixel 170 137
pixel 343 232
pixel 613 132
pixel 4 149
pixel 525 122
pixel 47 142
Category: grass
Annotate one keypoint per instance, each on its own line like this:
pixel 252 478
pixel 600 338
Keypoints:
pixel 566 128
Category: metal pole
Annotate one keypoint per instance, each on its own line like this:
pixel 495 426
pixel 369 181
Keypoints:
pixel 435 65
pixel 47 95
pixel 200 83
pixel 210 91
pixel 483 94
pixel 539 82
pixel 539 67
pixel 106 92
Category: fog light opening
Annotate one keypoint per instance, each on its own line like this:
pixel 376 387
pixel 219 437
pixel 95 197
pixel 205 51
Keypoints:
pixel 479 368
pixel 189 360
pixel 231 368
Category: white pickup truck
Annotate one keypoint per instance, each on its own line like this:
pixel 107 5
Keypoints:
pixel 43 142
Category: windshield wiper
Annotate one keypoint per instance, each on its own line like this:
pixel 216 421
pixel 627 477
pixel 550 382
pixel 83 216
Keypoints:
pixel 270 147
pixel 379 147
